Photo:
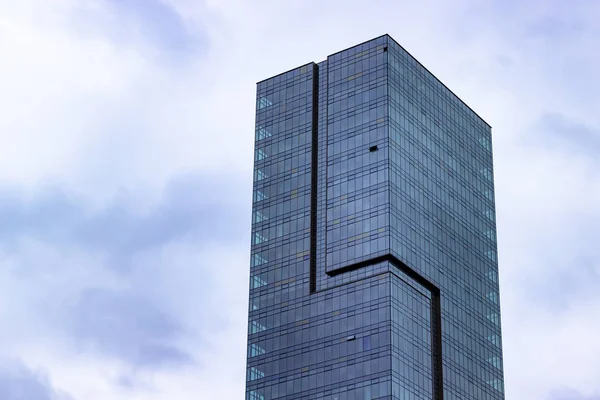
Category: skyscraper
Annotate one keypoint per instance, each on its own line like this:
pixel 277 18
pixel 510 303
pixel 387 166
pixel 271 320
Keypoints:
pixel 374 269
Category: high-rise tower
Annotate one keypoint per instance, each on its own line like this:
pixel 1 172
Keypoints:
pixel 374 269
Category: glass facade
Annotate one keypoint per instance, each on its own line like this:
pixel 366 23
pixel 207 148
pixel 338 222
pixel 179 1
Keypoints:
pixel 373 271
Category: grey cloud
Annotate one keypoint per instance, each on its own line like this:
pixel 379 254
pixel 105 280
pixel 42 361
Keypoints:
pixel 558 290
pixel 126 326
pixel 190 207
pixel 551 19
pixel 158 22
pixel 505 61
pixel 17 382
pixel 570 394
pixel 555 28
pixel 151 21
pixel 135 324
pixel 558 130
pixel 194 206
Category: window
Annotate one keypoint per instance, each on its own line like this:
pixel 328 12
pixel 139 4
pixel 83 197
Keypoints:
pixel 258 238
pixel 258 217
pixel 496 384
pixel 263 102
pixel 491 254
pixel 495 339
pixel 262 133
pixel 496 362
pixel 259 175
pixel 256 282
pixel 486 173
pixel 489 195
pixel 260 155
pixel 255 396
pixel 255 327
pixel 367 343
pixel 256 350
pixel 257 260
pixel 258 196
pixel 255 373
pixel 493 297
pixel 490 234
pixel 485 142
pixel 495 318
pixel 492 276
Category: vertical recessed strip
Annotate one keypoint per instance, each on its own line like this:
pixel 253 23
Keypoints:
pixel 313 179
pixel 436 348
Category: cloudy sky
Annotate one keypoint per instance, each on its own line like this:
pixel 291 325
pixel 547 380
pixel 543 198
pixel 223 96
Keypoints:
pixel 126 131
